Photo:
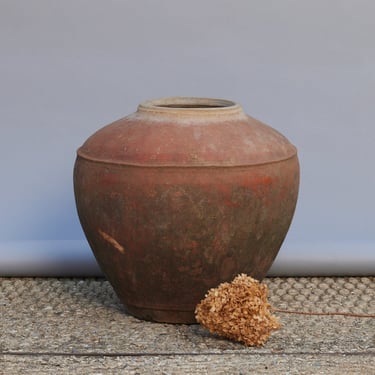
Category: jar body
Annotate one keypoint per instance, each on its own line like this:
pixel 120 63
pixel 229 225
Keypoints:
pixel 165 229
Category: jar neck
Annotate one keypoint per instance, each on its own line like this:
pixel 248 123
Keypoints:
pixel 190 107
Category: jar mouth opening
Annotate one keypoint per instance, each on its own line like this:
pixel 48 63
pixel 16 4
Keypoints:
pixel 185 109
pixel 189 103
pixel 191 106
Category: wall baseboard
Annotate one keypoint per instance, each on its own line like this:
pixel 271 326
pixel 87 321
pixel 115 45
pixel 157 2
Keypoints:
pixel 73 258
pixel 51 258
pixel 325 259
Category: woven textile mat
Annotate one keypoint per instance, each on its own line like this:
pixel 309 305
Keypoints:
pixel 50 325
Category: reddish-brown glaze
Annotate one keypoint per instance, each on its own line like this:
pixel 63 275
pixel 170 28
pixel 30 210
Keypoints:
pixel 175 201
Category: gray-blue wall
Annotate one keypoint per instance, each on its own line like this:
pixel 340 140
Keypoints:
pixel 307 68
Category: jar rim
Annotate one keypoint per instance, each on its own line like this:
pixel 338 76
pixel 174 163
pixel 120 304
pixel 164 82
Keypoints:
pixel 189 102
pixel 187 105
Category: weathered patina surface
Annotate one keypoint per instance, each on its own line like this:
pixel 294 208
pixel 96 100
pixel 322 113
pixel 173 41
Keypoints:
pixel 176 199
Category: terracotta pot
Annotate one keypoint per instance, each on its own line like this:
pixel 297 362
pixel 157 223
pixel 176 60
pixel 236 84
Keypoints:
pixel 180 196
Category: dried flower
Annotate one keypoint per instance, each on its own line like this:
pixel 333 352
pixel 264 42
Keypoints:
pixel 238 311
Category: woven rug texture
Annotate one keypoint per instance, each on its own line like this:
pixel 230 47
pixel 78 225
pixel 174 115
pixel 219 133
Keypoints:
pixel 50 325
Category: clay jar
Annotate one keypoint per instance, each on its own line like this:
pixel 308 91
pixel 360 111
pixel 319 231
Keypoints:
pixel 180 196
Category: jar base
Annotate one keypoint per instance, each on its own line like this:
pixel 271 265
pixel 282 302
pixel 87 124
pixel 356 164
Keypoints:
pixel 162 316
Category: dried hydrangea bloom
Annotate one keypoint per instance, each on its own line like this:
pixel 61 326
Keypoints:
pixel 238 311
